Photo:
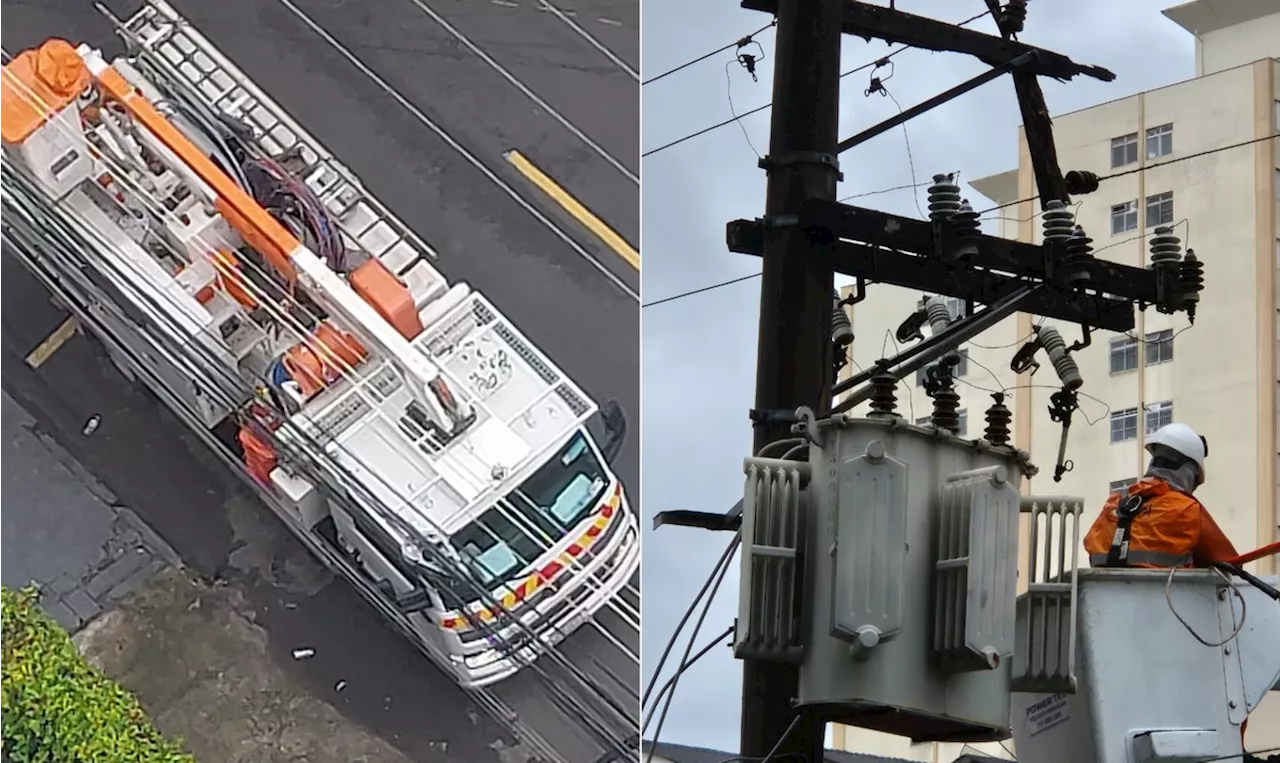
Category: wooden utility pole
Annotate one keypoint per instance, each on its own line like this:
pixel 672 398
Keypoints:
pixel 794 365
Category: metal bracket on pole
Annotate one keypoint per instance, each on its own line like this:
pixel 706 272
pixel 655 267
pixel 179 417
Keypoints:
pixel 894 26
pixel 731 520
pixel 1009 66
pixel 814 158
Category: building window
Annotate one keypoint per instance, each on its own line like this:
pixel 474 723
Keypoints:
pixel 1124 217
pixel 1124 425
pixel 1124 150
pixel 1121 486
pixel 1159 347
pixel 960 371
pixel 1160 209
pixel 1124 354
pixel 1159 415
pixel 1159 141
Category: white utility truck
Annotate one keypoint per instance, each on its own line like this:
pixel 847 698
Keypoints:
pixel 397 423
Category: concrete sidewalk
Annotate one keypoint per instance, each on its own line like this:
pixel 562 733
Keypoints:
pixel 64 530
pixel 199 663
pixel 191 652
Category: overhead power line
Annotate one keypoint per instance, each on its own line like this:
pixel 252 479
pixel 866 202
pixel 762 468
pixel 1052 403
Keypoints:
pixel 1112 176
pixel 682 295
pixel 758 109
pixel 738 43
pixel 1137 170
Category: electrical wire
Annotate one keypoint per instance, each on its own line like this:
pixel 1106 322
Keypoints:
pixel 909 186
pixel 786 442
pixel 758 109
pixel 1091 422
pixel 728 81
pixel 713 643
pixel 911 398
pixel 738 43
pixel 1244 608
pixel 706 607
pixel 773 751
pixel 1139 170
pixel 911 161
pixel 700 290
pixel 1237 756
pixel 671 642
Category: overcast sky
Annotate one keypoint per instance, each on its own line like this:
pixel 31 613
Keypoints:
pixel 699 352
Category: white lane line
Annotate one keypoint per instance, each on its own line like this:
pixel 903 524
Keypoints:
pixel 456 146
pixel 623 65
pixel 517 84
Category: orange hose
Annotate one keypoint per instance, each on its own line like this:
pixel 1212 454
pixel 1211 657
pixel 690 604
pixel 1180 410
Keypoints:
pixel 311 371
pixel 1268 550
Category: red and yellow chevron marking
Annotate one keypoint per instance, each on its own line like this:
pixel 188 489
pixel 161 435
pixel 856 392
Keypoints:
pixel 512 596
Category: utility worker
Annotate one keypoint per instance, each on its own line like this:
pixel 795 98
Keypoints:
pixel 1158 524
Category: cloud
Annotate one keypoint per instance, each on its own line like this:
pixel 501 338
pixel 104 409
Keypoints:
pixel 699 353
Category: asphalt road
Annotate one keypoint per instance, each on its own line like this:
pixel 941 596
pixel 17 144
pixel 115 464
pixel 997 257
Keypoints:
pixel 575 299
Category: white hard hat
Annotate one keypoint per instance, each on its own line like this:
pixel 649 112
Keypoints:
pixel 1183 440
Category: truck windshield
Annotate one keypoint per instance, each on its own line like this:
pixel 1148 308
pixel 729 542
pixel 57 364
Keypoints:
pixel 510 537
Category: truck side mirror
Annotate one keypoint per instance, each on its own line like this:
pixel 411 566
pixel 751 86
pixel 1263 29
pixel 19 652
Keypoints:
pixel 416 600
pixel 615 426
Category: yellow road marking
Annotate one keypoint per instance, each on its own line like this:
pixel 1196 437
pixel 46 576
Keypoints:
pixel 53 342
pixel 571 205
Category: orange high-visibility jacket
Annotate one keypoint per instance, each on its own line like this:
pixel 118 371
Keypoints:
pixel 1172 530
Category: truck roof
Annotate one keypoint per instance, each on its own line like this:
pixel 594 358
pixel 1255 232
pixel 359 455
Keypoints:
pixel 525 406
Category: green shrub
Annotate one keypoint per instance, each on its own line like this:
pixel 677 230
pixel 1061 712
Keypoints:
pixel 59 709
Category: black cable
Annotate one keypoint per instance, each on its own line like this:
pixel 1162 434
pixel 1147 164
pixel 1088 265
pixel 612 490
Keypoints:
pixel 728 83
pixel 1237 756
pixel 773 751
pixel 911 161
pixel 666 652
pixel 908 186
pixel 684 658
pixel 682 295
pixel 738 43
pixel 758 109
pixel 1137 170
pixel 713 643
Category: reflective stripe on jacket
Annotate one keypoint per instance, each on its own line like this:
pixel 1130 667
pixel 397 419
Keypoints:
pixel 1172 530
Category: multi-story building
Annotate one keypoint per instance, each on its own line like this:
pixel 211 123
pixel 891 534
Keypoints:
pixel 1221 375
